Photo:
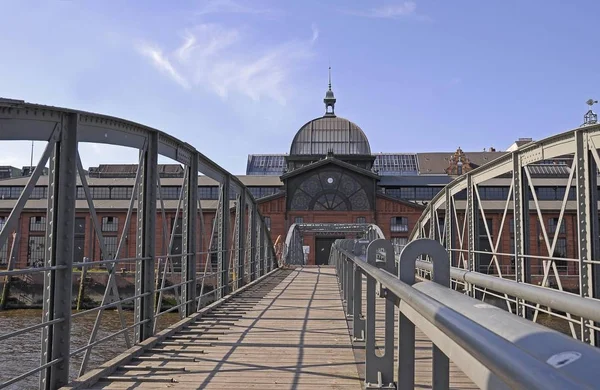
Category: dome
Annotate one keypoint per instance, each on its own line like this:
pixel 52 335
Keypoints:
pixel 330 133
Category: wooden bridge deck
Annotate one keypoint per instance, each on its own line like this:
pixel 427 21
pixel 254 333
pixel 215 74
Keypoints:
pixel 286 332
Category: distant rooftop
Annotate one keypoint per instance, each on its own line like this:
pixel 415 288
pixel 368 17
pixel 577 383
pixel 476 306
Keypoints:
pixel 130 170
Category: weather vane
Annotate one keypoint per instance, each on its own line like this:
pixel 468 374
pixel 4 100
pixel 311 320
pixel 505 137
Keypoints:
pixel 590 117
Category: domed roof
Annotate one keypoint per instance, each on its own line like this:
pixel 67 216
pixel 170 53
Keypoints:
pixel 330 133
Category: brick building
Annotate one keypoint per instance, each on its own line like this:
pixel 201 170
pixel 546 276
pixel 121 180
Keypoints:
pixel 330 175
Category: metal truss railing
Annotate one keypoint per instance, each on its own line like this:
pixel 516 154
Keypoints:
pixel 293 250
pixel 495 349
pixel 525 237
pixel 235 255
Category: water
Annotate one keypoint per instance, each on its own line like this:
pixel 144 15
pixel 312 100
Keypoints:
pixel 22 353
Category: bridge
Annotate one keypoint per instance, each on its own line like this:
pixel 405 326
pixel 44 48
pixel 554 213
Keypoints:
pixel 451 309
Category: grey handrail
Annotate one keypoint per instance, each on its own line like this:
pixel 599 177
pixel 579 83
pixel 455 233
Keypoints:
pixel 508 362
pixel 555 299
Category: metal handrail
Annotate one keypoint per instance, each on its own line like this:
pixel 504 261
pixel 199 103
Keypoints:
pixel 560 300
pixel 511 364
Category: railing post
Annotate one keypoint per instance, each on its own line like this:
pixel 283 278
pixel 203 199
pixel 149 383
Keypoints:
pixel 406 347
pixel 56 338
pixel 146 228
pixel 349 290
pixel 358 322
pixel 190 224
pixel 379 370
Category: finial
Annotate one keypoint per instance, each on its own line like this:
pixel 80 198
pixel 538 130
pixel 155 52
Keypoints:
pixel 330 79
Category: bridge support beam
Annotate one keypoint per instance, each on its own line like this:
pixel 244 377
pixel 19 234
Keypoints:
pixel 521 221
pixel 190 244
pixel 146 233
pixel 224 214
pixel 60 228
pixel 240 238
pixel 587 224
pixel 253 221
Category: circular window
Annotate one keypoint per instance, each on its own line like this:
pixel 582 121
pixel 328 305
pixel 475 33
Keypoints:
pixel 330 180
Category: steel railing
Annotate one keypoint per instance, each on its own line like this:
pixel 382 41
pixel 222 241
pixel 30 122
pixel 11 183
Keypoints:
pixel 491 346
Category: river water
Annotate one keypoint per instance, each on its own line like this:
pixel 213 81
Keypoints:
pixel 22 353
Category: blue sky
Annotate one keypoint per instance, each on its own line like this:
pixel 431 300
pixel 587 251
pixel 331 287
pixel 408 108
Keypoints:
pixel 233 77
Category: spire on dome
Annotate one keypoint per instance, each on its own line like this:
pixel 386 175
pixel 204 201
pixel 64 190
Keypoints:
pixel 329 99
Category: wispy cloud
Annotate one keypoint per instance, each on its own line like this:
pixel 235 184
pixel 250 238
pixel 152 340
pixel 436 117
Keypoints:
pixel 162 63
pixel 230 6
pixel 407 9
pixel 223 61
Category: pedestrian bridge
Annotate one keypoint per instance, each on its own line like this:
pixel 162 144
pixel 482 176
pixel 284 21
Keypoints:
pixel 378 316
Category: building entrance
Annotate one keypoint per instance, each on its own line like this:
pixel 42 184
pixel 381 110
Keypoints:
pixel 323 248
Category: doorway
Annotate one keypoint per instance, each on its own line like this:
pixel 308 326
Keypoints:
pixel 323 248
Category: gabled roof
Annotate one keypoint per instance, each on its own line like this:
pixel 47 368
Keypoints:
pixel 326 161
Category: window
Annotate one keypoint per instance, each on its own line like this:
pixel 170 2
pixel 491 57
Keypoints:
pixel 121 192
pixel 37 224
pixel 407 193
pixel 490 226
pixel 298 220
pixel 493 193
pixel 208 192
pixel 99 192
pixel 39 193
pixel 553 225
pixel 361 220
pixel 79 239
pixel 4 253
pixel 36 251
pixel 170 192
pixel 110 245
pixel 399 243
pixel 424 193
pixel 268 223
pixel 4 192
pixel 546 193
pixel 560 250
pixel 399 224
pixel 110 224
pixel 15 192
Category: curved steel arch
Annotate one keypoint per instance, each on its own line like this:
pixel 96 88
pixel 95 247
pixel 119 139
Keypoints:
pixel 465 222
pixel 248 242
pixel 293 251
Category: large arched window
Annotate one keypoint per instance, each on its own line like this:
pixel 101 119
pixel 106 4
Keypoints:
pixel 330 191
